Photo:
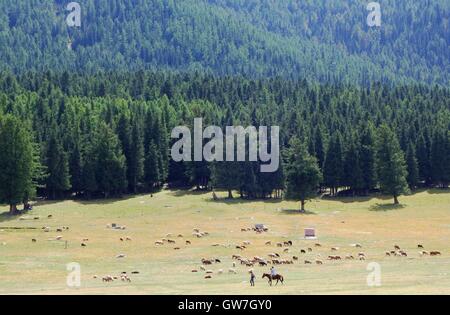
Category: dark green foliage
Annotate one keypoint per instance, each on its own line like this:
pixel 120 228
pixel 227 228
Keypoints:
pixel 412 167
pixel 391 165
pixel 16 163
pixel 320 40
pixel 337 123
pixel 302 173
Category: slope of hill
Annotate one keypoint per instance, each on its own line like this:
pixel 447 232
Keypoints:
pixel 317 39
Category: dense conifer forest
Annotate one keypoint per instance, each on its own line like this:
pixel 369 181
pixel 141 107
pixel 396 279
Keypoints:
pixel 108 135
pixel 87 112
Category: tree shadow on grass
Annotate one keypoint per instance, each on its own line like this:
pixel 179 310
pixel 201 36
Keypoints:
pixel 385 207
pixel 297 212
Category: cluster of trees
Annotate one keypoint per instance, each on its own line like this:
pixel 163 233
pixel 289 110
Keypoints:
pixel 318 40
pixel 109 134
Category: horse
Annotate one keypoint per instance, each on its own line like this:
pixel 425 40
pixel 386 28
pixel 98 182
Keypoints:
pixel 271 278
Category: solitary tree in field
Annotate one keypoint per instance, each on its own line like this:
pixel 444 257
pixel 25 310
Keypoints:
pixel 391 164
pixel 16 162
pixel 302 173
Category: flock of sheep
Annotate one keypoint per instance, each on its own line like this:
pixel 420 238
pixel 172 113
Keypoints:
pixel 284 248
pixel 286 254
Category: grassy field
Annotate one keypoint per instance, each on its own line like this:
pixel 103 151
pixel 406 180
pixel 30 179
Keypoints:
pixel 40 268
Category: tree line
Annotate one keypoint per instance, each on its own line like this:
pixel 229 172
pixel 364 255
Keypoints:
pixel 88 136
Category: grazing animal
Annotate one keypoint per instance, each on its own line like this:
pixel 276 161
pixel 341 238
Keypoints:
pixel 309 249
pixel 420 246
pixel 171 241
pixel 278 278
pixel 388 254
pixel 59 230
pixel 176 248
pixel 194 270
pixel 128 238
pixel 334 249
pixel 424 253
pixel 108 279
pixel 121 239
pixel 397 247
pixel 34 240
pixel 268 243
pixel 159 243
pixel 180 235
pixel 295 258
pixel 232 270
pixel 202 268
pixel 435 253
pixel 188 243
pixel 349 257
pixel 83 245
pixel 279 244
pixel 319 262
pixel 120 256
pixel 303 251
pixel 317 245
pixel 58 238
pixel 286 250
pixel 307 262
pixel 49 216
pixel 208 277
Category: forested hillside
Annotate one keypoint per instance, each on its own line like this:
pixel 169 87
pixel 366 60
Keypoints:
pixel 106 135
pixel 317 40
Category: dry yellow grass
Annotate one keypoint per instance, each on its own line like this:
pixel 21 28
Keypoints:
pixel 40 268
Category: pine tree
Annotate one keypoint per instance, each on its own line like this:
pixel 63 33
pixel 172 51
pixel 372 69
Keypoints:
pixel 367 158
pixel 413 168
pixel 302 173
pixel 333 166
pixel 136 158
pixel 110 168
pixel 58 179
pixel 16 162
pixel 352 167
pixel 439 159
pixel 391 164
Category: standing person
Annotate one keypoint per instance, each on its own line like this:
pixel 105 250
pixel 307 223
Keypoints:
pixel 252 278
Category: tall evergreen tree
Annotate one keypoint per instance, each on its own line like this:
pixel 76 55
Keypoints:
pixel 58 179
pixel 413 167
pixel 302 172
pixel 333 167
pixel 16 162
pixel 391 164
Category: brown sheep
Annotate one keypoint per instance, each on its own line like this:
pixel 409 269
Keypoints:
pixel 397 247
pixel 435 253
pixel 188 242
pixel 268 243
pixel 319 262
pixel 307 262
pixel 303 251
pixel 420 246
